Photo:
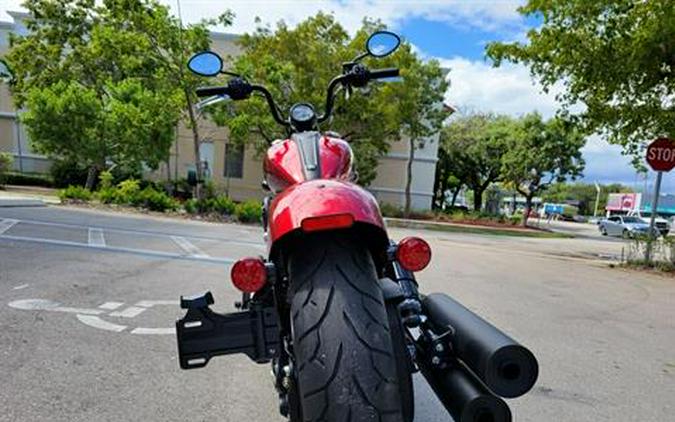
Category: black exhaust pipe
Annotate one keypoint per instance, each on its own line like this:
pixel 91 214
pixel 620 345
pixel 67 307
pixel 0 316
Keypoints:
pixel 464 397
pixel 505 366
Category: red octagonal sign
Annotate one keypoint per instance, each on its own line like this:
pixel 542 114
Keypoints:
pixel 661 154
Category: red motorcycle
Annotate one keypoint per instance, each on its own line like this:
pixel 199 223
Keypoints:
pixel 335 306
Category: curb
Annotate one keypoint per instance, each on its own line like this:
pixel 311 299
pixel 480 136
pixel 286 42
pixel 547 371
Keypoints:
pixel 469 228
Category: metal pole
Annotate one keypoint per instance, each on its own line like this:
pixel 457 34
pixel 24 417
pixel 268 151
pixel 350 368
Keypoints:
pixel 597 199
pixel 655 204
pixel 17 126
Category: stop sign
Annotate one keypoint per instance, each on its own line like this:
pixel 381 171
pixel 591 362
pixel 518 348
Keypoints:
pixel 661 154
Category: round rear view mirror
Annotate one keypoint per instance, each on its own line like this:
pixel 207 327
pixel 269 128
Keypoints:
pixel 382 43
pixel 206 63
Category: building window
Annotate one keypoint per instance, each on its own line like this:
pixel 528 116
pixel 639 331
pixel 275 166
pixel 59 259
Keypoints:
pixel 234 161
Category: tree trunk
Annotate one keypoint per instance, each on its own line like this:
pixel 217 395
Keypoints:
pixel 439 189
pixel 477 199
pixel 408 181
pixel 196 141
pixel 92 174
pixel 455 193
pixel 528 208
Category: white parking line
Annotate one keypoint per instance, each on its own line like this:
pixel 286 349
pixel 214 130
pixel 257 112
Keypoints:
pixel 143 330
pixel 7 224
pixel 151 303
pixel 130 312
pixel 96 237
pixel 146 232
pixel 111 305
pixel 188 247
pixel 120 249
pixel 19 287
pixel 96 322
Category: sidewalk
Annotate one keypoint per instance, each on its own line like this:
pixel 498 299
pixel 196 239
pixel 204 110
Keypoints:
pixel 27 196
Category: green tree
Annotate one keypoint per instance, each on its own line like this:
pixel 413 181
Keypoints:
pixel 615 57
pixel 421 111
pixel 296 64
pixel 542 153
pixel 476 143
pixel 583 193
pixel 120 65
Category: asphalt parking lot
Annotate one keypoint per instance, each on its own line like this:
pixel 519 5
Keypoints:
pixel 88 301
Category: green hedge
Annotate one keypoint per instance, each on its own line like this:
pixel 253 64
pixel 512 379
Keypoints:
pixel 248 211
pixel 28 179
pixel 75 192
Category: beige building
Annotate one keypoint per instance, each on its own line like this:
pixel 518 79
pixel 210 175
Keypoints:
pixel 239 172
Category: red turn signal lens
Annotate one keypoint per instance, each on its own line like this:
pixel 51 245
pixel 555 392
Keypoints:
pixel 249 275
pixel 413 253
pixel 327 222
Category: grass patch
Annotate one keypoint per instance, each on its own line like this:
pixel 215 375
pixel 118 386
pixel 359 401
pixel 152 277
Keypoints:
pixel 657 266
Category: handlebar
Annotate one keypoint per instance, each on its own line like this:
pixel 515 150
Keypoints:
pixel 391 72
pixel 209 91
pixel 239 89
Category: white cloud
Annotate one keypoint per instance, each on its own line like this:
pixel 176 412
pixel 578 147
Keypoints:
pixel 486 15
pixel 508 89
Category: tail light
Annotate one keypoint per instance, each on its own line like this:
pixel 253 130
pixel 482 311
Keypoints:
pixel 413 253
pixel 327 222
pixel 249 274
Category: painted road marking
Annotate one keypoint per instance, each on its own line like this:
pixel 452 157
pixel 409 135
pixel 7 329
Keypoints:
pixel 111 305
pixel 50 305
pixel 19 287
pixel 7 224
pixel 188 247
pixel 145 252
pixel 147 232
pixel 153 331
pixel 151 303
pixel 90 316
pixel 130 312
pixel 96 322
pixel 96 237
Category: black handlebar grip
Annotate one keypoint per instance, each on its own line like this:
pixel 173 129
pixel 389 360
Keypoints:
pixel 209 91
pixel 391 72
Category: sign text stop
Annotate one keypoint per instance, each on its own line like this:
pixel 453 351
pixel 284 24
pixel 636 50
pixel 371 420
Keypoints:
pixel 661 154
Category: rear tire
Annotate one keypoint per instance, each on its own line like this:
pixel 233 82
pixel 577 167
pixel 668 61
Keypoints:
pixel 344 358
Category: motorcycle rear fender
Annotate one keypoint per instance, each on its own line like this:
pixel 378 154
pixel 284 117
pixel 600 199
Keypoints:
pixel 324 197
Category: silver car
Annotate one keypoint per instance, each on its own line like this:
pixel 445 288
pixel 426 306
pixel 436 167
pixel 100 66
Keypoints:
pixel 624 226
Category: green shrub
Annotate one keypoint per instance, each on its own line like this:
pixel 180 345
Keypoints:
pixel 105 180
pixel 6 161
pixel 390 210
pixel 155 200
pixel 106 195
pixel 68 172
pixel 28 179
pixel 191 206
pixel 78 193
pixel 222 205
pixel 127 192
pixel 248 211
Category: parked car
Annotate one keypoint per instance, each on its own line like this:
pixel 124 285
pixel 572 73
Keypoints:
pixel 624 226
pixel 661 224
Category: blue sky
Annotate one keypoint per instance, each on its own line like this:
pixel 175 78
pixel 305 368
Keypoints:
pixel 452 31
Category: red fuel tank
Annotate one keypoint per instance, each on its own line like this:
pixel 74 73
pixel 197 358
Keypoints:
pixel 306 156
